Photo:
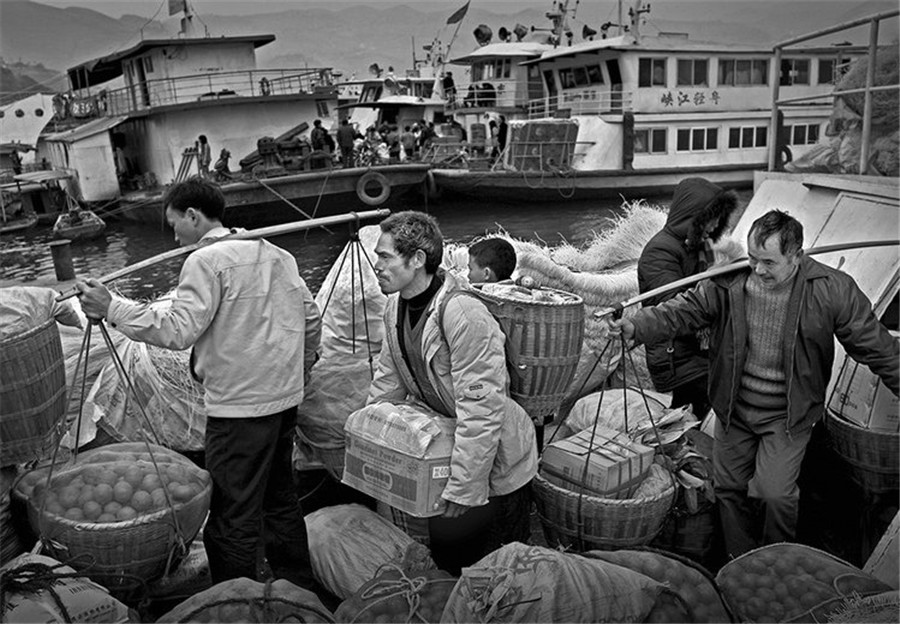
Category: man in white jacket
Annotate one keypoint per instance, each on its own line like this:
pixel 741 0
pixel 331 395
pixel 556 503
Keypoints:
pixel 447 351
pixel 255 329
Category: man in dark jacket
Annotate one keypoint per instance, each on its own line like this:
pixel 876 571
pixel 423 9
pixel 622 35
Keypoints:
pixel 699 214
pixel 772 330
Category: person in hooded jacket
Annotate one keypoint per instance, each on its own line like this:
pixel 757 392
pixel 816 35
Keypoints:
pixel 699 214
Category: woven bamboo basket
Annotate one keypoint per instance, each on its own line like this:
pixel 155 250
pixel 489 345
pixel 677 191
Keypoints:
pixel 115 554
pixel 584 522
pixel 543 346
pixel 873 456
pixel 32 392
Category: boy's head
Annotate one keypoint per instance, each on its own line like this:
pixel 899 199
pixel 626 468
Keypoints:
pixel 491 260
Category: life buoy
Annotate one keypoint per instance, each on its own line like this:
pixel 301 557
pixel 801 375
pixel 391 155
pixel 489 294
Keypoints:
pixel 373 177
pixel 264 87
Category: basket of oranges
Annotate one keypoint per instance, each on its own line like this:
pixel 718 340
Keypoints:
pixel 118 512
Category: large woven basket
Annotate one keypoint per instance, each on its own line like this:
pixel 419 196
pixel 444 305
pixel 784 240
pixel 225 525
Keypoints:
pixel 543 346
pixel 583 522
pixel 873 456
pixel 116 554
pixel 32 392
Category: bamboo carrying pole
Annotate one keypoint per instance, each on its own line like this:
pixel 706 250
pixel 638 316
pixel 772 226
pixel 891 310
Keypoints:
pixel 737 265
pixel 275 230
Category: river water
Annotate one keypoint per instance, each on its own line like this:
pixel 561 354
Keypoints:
pixel 25 257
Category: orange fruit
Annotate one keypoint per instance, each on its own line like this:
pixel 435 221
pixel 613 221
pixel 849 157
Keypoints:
pixel 112 507
pixel 75 514
pixel 91 474
pixel 158 498
pixel 151 482
pixel 134 475
pixel 68 496
pixel 123 492
pixel 109 477
pixel 92 510
pixel 103 493
pixel 183 493
pixel 86 494
pixel 54 508
pixel 141 501
pixel 126 513
pixel 106 517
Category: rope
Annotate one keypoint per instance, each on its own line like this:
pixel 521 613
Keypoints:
pixel 289 202
pixel 384 589
pixel 33 578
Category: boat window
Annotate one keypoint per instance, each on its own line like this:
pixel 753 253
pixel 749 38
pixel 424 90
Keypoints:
pixel 831 70
pixel 794 72
pixel 595 75
pixel 507 67
pixel 652 72
pixel 148 65
pixel 693 72
pixel 740 72
pixel 747 136
pixel 567 78
pixel 477 72
pixel 322 108
pixel 581 77
pixel 697 139
pixel 802 134
pixel 650 141
pixel 550 83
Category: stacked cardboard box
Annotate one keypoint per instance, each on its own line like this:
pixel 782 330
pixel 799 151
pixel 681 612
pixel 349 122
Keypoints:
pixel 602 462
pixel 400 454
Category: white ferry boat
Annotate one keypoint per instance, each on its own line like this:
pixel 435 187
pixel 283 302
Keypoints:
pixel 634 114
pixel 135 116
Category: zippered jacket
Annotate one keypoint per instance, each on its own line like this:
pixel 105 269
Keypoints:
pixel 673 253
pixel 824 304
pixel 252 321
pixel 494 451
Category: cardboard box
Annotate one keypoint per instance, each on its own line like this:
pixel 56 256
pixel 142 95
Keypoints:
pixel 400 454
pixel 862 398
pixel 616 465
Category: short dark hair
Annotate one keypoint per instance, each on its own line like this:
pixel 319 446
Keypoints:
pixel 412 231
pixel 197 193
pixel 317 122
pixel 790 231
pixel 496 254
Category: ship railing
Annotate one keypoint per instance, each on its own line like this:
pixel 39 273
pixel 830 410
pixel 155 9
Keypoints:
pixel 865 145
pixel 489 94
pixel 585 102
pixel 147 95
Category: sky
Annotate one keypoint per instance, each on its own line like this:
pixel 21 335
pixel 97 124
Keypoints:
pixel 147 8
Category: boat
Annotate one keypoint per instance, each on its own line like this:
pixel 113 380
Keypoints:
pixel 124 144
pixel 634 114
pixel 14 217
pixel 78 224
pixel 42 192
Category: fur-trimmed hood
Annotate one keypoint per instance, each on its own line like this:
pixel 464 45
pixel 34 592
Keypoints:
pixel 696 203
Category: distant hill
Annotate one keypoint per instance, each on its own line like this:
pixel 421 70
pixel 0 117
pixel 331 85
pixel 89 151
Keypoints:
pixel 350 38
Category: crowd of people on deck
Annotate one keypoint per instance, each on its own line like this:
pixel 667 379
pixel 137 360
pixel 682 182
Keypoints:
pixel 755 345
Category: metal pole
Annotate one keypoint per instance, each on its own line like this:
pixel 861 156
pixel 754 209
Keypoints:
pixel 843 26
pixel 61 251
pixel 773 122
pixel 867 108
pixel 266 232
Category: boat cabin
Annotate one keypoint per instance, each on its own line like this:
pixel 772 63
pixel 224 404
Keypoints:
pixel 633 101
pixel 143 108
pixel 391 100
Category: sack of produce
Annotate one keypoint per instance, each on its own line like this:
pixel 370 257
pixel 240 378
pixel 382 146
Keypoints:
pixel 520 583
pixel 395 596
pixel 171 399
pixel 788 582
pixel 120 512
pixel 40 589
pixel 349 543
pixel 692 583
pixel 243 600
pixel 338 386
